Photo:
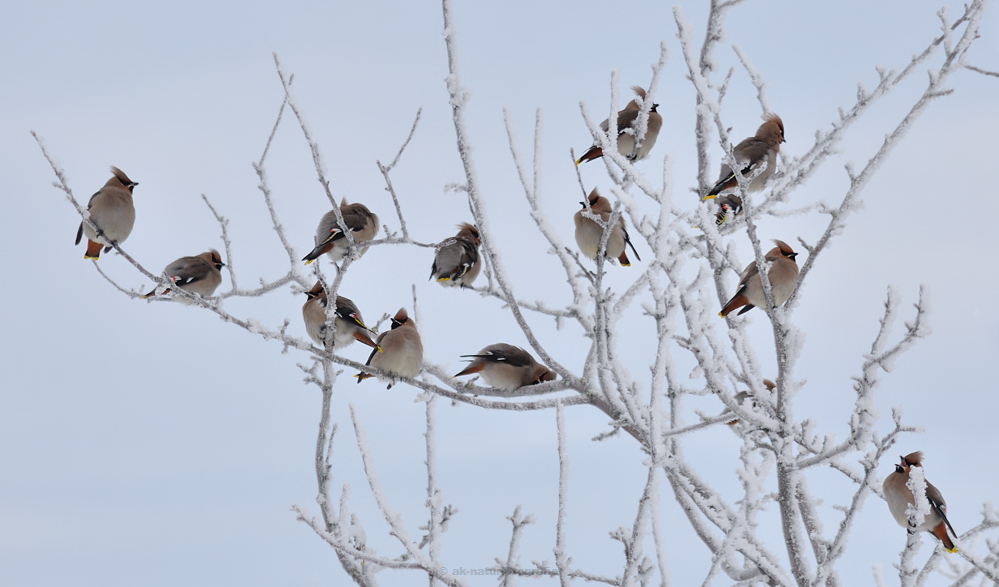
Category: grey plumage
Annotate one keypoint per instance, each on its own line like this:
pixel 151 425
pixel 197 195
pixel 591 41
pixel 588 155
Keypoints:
pixel 626 121
pixel 330 238
pixel 783 276
pixel 764 146
pixel 505 366
pixel 729 206
pixel 200 274
pixel 899 498
pixel 589 233
pixel 113 211
pixel 457 262
pixel 348 323
pixel 401 353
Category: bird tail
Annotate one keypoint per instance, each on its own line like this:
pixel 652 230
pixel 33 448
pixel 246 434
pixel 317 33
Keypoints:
pixel 590 155
pixel 736 302
pixel 941 532
pixel 153 293
pixel 93 251
pixel 317 252
pixel 728 182
pixel 363 338
pixel 475 367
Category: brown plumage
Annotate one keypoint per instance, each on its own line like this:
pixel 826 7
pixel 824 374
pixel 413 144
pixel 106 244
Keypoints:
pixel 589 233
pixel 505 366
pixel 399 352
pixel 627 119
pixel 330 238
pixel 749 153
pixel 744 395
pixel 113 211
pixel 899 498
pixel 349 326
pixel 457 262
pixel 783 276
pixel 200 274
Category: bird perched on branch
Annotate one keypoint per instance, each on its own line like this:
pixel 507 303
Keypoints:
pixel 457 262
pixel 399 352
pixel 626 121
pixel 749 154
pixel 348 324
pixel 330 238
pixel 742 396
pixel 729 203
pixel 783 276
pixel 200 274
pixel 589 233
pixel 505 366
pixel 899 498
pixel 112 210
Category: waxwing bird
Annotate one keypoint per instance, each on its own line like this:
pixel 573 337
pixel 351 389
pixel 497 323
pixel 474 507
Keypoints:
pixel 399 352
pixel 330 238
pixel 727 204
pixel 750 153
pixel 505 366
pixel 626 120
pixel 348 324
pixel 783 276
pixel 742 396
pixel 457 262
pixel 112 210
pixel 589 233
pixel 201 275
pixel 899 497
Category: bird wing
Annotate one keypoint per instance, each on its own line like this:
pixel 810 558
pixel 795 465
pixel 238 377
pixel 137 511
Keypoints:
pixel 187 270
pixel 506 354
pixel 936 500
pixel 626 119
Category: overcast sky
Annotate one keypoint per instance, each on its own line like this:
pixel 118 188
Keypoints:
pixel 150 443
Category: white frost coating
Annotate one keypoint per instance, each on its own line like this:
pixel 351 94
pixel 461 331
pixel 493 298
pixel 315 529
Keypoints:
pixel 561 560
pixel 688 273
pixel 917 511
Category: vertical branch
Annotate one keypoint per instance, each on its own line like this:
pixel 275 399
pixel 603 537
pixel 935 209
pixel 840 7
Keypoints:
pixel 385 169
pixel 433 494
pixel 509 578
pixel 561 560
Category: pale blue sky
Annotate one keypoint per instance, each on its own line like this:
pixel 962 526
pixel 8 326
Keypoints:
pixel 153 444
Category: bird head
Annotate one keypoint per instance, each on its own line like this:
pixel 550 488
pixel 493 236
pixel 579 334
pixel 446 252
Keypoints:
pixel 215 259
pixel 400 318
pixel 316 291
pixel 125 182
pixel 785 249
pixel 470 231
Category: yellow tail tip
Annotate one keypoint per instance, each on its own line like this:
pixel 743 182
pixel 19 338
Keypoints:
pixel 578 161
pixel 309 261
pixel 89 258
pixel 709 197
pixel 720 314
pixel 379 349
pixel 625 264
pixel 951 550
pixel 443 279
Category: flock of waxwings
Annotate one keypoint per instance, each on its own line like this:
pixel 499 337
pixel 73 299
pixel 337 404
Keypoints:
pixel 398 352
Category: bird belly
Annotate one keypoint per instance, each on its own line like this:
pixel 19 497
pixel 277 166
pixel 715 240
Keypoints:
pixel 502 376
